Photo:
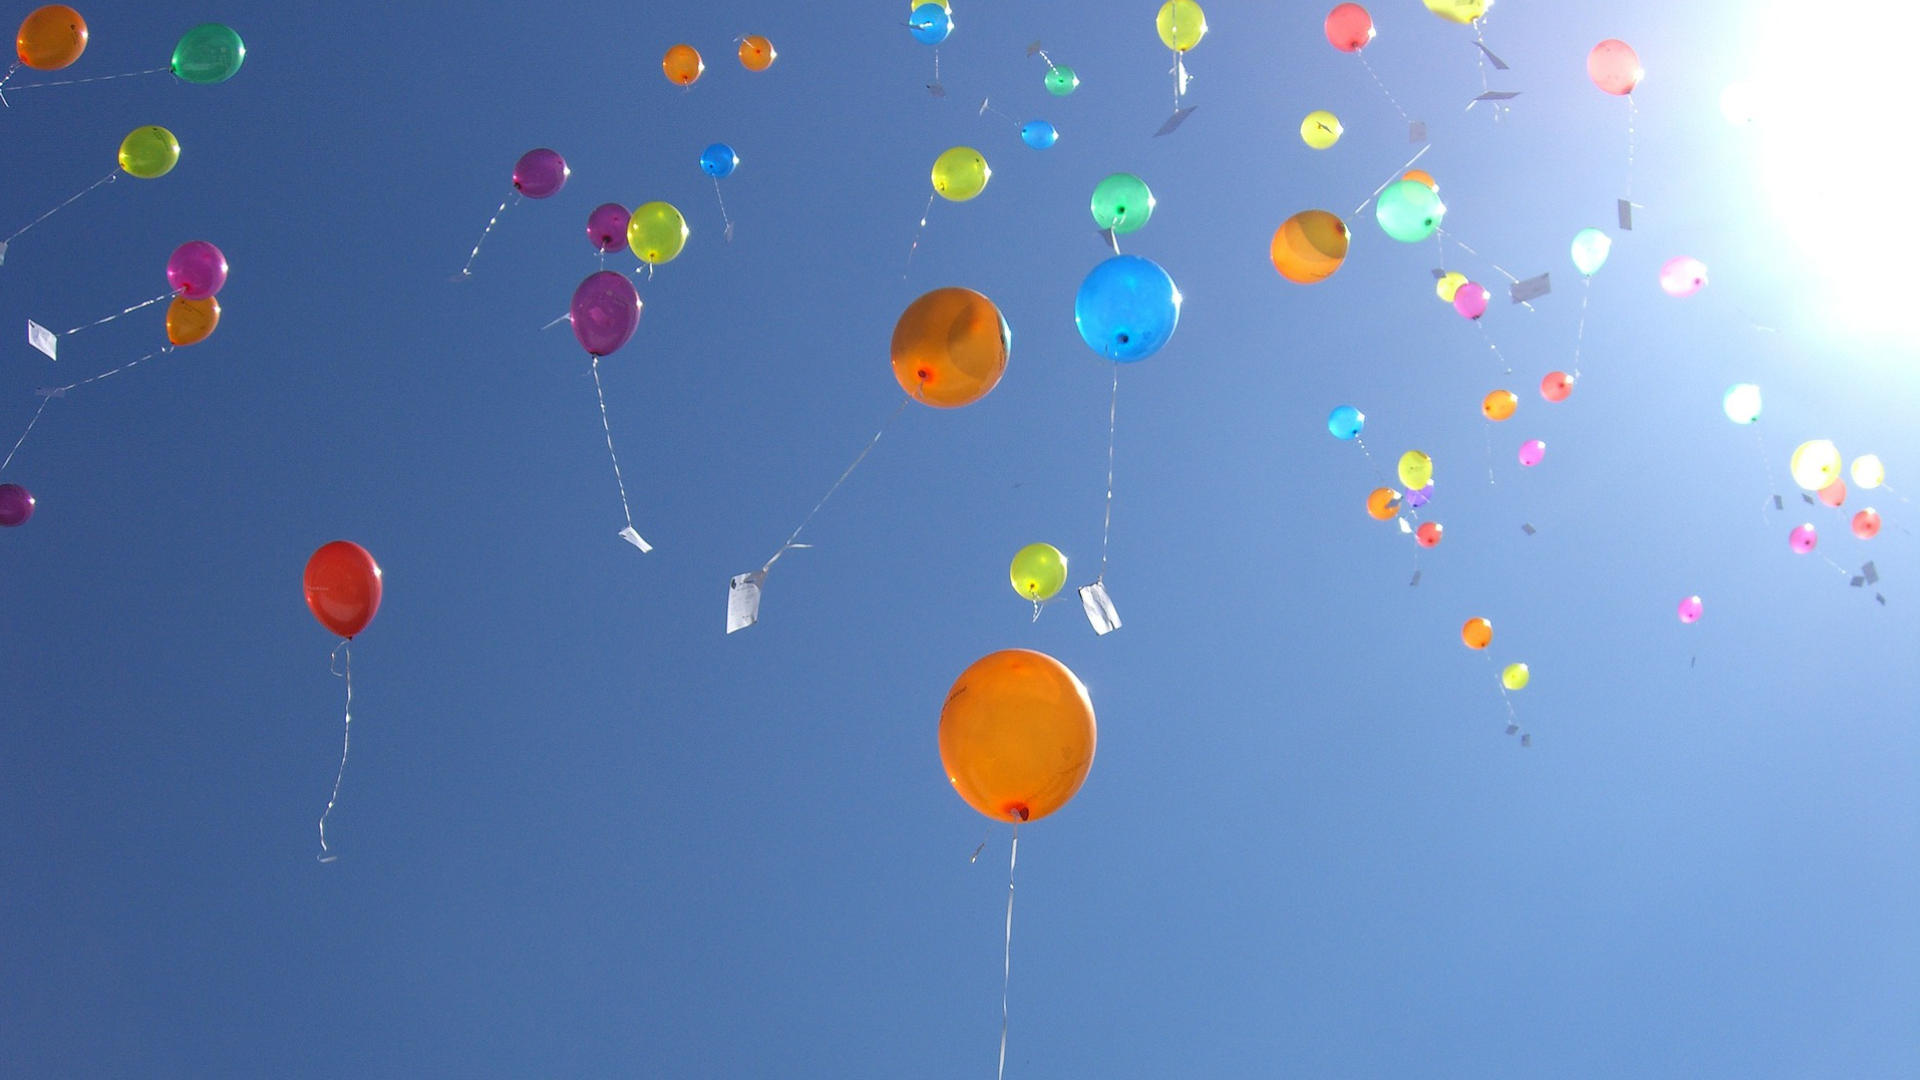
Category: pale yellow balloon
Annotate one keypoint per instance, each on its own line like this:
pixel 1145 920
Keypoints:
pixel 1516 677
pixel 1459 11
pixel 1815 464
pixel 1867 472
pixel 1416 468
pixel 1320 130
pixel 1449 284
pixel 1181 24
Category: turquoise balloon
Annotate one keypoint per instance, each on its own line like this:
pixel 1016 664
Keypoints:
pixel 1122 202
pixel 1408 211
pixel 1039 134
pixel 1127 308
pixel 1590 250
pixel 1345 422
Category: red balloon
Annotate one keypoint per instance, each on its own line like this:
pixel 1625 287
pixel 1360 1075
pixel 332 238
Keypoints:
pixel 1349 27
pixel 1614 67
pixel 343 587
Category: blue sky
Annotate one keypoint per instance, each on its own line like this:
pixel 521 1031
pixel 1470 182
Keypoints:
pixel 585 833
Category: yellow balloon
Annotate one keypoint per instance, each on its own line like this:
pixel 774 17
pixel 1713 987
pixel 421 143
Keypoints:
pixel 1516 677
pixel 1181 24
pixel 1815 464
pixel 960 173
pixel 1039 571
pixel 1416 469
pixel 1449 284
pixel 1868 473
pixel 1320 130
pixel 1459 11
pixel 656 232
pixel 149 152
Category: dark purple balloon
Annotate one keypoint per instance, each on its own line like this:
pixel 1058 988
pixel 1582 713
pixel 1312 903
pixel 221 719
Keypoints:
pixel 197 270
pixel 605 311
pixel 16 505
pixel 540 173
pixel 607 226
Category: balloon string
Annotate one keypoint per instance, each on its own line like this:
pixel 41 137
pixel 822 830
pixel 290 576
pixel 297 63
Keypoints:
pixel 795 534
pixel 1632 112
pixel 1513 718
pixel 127 311
pixel 59 390
pixel 1006 967
pixel 23 435
pixel 1462 245
pixel 467 270
pixel 608 428
pixel 1580 328
pixel 1766 473
pixel 1486 426
pixel 346 739
pixel 1395 102
pixel 728 232
pixel 924 214
pixel 11 68
pixel 1496 349
pixel 1396 175
pixel 94 78
pixel 107 179
pixel 1106 527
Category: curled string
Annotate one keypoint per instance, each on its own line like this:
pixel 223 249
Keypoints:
pixel 608 428
pixel 107 179
pixel 23 435
pixel 11 68
pixel 1396 175
pixel 1106 527
pixel 728 232
pixel 467 270
pixel 795 534
pixel 1395 102
pixel 346 738
pixel 126 311
pixel 1006 969
pixel 1580 328
pixel 93 78
pixel 915 246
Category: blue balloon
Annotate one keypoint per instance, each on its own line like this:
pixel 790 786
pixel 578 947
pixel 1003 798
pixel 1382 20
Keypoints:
pixel 1346 421
pixel 930 24
pixel 719 161
pixel 1127 308
pixel 1039 134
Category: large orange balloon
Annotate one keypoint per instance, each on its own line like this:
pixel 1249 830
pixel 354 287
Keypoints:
pixel 1309 246
pixel 1017 735
pixel 343 587
pixel 190 322
pixel 51 38
pixel 1476 633
pixel 682 65
pixel 1383 504
pixel 757 53
pixel 950 348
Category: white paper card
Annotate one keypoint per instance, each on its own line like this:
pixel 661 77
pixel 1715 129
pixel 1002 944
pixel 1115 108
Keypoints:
pixel 1498 95
pixel 1099 608
pixel 1530 289
pixel 43 339
pixel 743 600
pixel 633 537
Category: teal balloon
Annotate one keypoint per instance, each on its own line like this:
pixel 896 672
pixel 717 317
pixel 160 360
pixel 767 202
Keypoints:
pixel 1408 211
pixel 1127 308
pixel 1346 421
pixel 208 53
pixel 1122 202
pixel 1590 250
pixel 1062 81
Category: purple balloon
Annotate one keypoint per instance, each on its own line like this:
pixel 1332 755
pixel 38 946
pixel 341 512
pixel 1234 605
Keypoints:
pixel 196 270
pixel 1422 497
pixel 605 311
pixel 607 226
pixel 16 505
pixel 540 173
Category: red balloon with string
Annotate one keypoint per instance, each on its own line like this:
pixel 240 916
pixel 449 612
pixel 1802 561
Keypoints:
pixel 343 587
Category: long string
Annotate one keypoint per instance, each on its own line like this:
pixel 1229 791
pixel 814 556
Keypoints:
pixel 1395 102
pixel 795 534
pixel 1580 328
pixel 1006 970
pixel 93 78
pixel 924 214
pixel 1513 718
pixel 60 390
pixel 467 270
pixel 1106 527
pixel 127 311
pixel 1488 338
pixel 1632 112
pixel 728 232
pixel 23 435
pixel 1462 245
pixel 346 740
pixel 608 428
pixel 107 179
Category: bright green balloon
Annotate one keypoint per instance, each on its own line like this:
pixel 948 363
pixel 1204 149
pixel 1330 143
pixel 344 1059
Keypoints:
pixel 1590 250
pixel 1408 210
pixel 656 232
pixel 1039 571
pixel 1122 202
pixel 1181 24
pixel 208 53
pixel 960 173
pixel 1061 81
pixel 149 152
pixel 1515 676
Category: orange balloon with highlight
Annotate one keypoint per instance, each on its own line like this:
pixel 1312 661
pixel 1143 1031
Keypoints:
pixel 51 38
pixel 190 322
pixel 1017 735
pixel 1476 633
pixel 1499 404
pixel 1383 504
pixel 1423 176
pixel 682 65
pixel 950 348
pixel 757 53
pixel 1309 246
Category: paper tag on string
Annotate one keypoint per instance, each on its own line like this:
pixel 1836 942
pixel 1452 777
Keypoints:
pixel 1107 237
pixel 1857 581
pixel 1531 289
pixel 1527 527
pixel 632 536
pixel 1099 608
pixel 936 89
pixel 1494 95
pixel 743 600
pixel 1033 48
pixel 1777 504
pixel 1808 499
pixel 1179 117
pixel 1872 575
pixel 1626 215
pixel 1513 729
pixel 43 339
pixel 3 254
pixel 1417 131
pixel 1416 579
pixel 1527 741
pixel 1438 273
pixel 1498 64
pixel 1404 527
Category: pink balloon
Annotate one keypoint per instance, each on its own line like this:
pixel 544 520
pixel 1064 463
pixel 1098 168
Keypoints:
pixel 1428 534
pixel 1556 386
pixel 1470 300
pixel 1866 523
pixel 1349 27
pixel 1614 67
pixel 1834 494
pixel 1532 451
pixel 607 227
pixel 540 173
pixel 1691 609
pixel 1802 539
pixel 605 311
pixel 196 270
pixel 1682 276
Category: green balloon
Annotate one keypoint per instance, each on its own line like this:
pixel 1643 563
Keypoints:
pixel 1038 572
pixel 1408 210
pixel 1590 249
pixel 208 53
pixel 1061 81
pixel 149 152
pixel 1122 202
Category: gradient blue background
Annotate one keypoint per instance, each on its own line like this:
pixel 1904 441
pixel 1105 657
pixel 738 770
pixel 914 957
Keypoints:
pixel 583 833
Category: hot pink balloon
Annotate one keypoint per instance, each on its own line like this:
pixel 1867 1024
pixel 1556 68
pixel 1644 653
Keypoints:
pixel 1834 494
pixel 1866 523
pixel 607 227
pixel 1614 67
pixel 540 173
pixel 1802 539
pixel 196 270
pixel 605 311
pixel 1349 27
pixel 1682 276
pixel 1470 300
pixel 1532 451
pixel 1691 609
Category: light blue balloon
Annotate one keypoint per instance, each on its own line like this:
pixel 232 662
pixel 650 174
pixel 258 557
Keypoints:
pixel 1590 250
pixel 1039 134
pixel 1127 308
pixel 930 24
pixel 1346 421
pixel 719 161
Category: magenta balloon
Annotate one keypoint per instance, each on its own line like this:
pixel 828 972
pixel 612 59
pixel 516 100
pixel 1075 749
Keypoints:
pixel 1803 539
pixel 16 505
pixel 1470 300
pixel 196 270
pixel 1691 609
pixel 607 227
pixel 605 311
pixel 540 173
pixel 1532 452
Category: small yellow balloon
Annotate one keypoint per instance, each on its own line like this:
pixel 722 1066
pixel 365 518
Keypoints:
pixel 1867 472
pixel 1320 130
pixel 960 173
pixel 1416 469
pixel 1039 571
pixel 1459 11
pixel 656 232
pixel 149 152
pixel 1515 677
pixel 1815 464
pixel 1181 24
pixel 1449 284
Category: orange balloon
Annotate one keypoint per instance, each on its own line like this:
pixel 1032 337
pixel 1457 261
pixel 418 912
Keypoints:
pixel 757 53
pixel 1383 504
pixel 189 322
pixel 1423 176
pixel 1477 633
pixel 1017 735
pixel 1499 404
pixel 950 348
pixel 51 38
pixel 683 65
pixel 1309 246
